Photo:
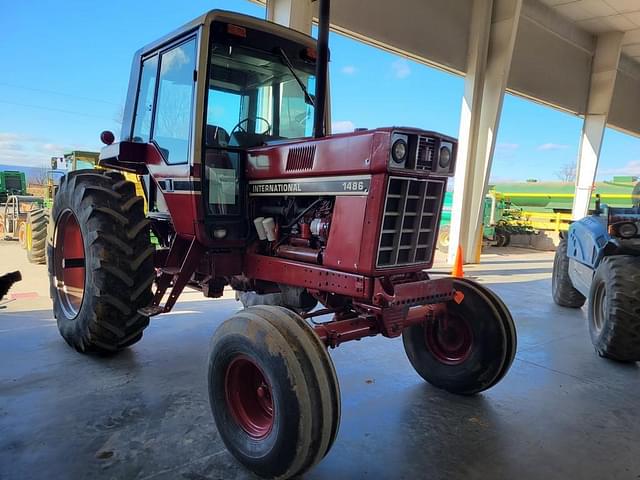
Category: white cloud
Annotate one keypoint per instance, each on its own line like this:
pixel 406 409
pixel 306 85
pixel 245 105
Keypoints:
pixel 551 146
pixel 342 126
pixel 32 151
pixel 507 147
pixel 631 168
pixel 401 68
pixel 348 69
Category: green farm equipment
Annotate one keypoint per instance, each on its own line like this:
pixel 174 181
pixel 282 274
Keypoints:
pixel 12 183
pixel 37 219
pixel 499 221
pixel 14 215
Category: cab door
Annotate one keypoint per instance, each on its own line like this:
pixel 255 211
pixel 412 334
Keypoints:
pixel 164 117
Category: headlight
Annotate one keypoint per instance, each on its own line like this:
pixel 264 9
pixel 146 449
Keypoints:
pixel 627 230
pixel 399 151
pixel 445 157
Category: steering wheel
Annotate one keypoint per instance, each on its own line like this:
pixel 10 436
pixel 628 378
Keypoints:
pixel 242 129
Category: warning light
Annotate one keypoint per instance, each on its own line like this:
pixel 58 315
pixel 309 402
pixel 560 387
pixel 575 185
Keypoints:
pixel 236 31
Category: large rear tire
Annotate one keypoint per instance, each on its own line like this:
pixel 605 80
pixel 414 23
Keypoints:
pixel 469 349
pixel 100 261
pixel 562 289
pixel 36 236
pixel 273 391
pixel 614 308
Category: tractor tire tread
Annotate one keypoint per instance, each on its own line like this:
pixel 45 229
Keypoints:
pixel 118 261
pixel 620 335
pixel 563 291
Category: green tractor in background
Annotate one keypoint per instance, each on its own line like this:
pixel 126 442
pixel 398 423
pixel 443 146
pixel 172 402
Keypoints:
pixel 499 221
pixel 38 219
pixel 12 183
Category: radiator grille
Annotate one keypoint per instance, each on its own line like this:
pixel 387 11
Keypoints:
pixel 301 158
pixel 409 221
pixel 425 153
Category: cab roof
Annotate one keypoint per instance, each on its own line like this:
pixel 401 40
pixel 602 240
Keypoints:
pixel 234 18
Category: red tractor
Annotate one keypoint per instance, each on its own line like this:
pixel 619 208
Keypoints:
pixel 244 188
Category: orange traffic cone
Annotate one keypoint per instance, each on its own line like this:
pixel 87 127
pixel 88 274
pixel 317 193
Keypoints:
pixel 457 271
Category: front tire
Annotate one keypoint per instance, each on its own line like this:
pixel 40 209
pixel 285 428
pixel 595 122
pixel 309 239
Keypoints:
pixel 100 262
pixel 468 351
pixel 614 308
pixel 562 289
pixel 273 391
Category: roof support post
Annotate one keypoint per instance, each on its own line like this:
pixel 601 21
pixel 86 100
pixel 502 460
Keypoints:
pixel 494 24
pixel 603 79
pixel 296 14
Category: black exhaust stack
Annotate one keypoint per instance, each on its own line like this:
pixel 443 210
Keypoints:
pixel 322 61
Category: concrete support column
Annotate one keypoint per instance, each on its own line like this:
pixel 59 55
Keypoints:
pixel 296 14
pixel 603 79
pixel 494 24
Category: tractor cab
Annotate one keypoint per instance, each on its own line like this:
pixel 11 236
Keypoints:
pixel 198 100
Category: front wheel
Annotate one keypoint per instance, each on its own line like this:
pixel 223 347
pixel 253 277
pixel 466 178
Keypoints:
pixel 273 391
pixel 470 348
pixel 614 309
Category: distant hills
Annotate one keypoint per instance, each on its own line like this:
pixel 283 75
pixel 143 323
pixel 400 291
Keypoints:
pixel 34 174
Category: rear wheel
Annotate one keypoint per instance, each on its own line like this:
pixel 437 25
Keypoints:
pixel 564 294
pixel 614 308
pixel 100 261
pixel 22 234
pixel 273 391
pixel 467 350
pixel 36 236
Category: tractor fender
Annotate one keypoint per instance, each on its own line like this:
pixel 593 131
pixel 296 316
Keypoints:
pixel 587 240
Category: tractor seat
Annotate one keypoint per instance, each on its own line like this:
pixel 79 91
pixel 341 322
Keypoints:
pixel 216 136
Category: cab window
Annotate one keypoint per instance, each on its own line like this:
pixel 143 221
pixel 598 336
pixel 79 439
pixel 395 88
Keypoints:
pixel 174 106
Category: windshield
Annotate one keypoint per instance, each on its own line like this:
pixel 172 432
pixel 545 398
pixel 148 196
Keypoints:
pixel 254 97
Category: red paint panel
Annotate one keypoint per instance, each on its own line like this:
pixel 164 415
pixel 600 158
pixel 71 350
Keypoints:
pixel 345 154
pixel 181 207
pixel 345 235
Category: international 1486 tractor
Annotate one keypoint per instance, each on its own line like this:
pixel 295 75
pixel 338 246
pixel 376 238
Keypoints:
pixel 245 188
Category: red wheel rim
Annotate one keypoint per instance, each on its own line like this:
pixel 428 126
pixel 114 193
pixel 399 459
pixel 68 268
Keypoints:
pixel 248 396
pixel 449 339
pixel 69 264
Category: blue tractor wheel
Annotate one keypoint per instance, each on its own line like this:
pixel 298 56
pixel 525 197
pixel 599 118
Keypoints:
pixel 614 308
pixel 563 291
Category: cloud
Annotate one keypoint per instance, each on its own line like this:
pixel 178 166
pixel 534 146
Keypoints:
pixel 342 126
pixel 507 147
pixel 631 168
pixel 551 146
pixel 28 150
pixel 401 68
pixel 348 69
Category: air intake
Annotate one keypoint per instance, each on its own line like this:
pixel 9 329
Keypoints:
pixel 301 158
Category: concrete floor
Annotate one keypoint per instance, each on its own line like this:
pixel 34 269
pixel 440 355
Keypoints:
pixel 560 413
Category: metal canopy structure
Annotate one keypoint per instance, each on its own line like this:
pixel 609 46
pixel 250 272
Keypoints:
pixel 580 56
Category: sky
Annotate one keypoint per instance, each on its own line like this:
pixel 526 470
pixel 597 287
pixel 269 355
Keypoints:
pixel 66 71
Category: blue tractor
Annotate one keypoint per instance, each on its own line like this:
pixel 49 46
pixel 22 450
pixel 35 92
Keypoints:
pixel 599 259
